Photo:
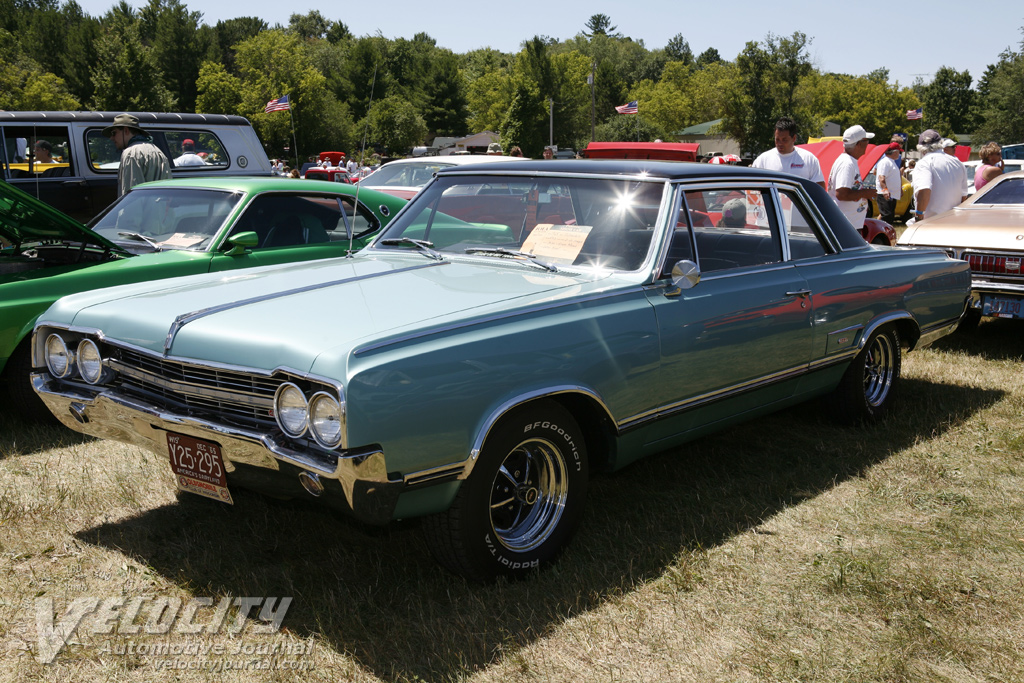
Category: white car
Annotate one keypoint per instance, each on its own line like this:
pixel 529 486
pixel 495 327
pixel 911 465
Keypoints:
pixel 404 177
pixel 1009 165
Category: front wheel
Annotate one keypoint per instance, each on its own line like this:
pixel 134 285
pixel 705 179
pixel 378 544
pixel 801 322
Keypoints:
pixel 867 390
pixel 523 501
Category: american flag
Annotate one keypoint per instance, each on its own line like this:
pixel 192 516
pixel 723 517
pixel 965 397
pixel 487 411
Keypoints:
pixel 630 108
pixel 914 114
pixel 280 104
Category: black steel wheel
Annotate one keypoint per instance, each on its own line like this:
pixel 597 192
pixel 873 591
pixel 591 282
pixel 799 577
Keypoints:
pixel 523 501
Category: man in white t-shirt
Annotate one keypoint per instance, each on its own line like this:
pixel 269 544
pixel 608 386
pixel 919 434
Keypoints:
pixel 844 182
pixel 938 178
pixel 789 158
pixel 888 182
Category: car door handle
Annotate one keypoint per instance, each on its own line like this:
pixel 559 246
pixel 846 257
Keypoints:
pixel 802 293
pixel 73 182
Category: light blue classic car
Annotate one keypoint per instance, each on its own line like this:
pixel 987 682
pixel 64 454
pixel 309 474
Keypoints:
pixel 515 328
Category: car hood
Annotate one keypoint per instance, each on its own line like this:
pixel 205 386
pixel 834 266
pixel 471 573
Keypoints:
pixel 27 220
pixel 978 227
pixel 285 316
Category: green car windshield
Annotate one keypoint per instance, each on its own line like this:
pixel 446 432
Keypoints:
pixel 168 218
pixel 588 222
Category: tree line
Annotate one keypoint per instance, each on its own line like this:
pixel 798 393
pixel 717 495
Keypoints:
pixel 404 92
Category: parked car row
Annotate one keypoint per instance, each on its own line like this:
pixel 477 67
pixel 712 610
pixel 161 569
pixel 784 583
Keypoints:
pixel 162 230
pixel 516 327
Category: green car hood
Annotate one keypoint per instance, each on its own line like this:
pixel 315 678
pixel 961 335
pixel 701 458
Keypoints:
pixel 285 316
pixel 26 220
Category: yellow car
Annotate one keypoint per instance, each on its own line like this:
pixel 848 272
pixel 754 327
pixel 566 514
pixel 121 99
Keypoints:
pixel 903 206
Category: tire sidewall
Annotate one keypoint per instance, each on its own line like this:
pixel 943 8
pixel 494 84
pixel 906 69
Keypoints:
pixel 548 421
pixel 868 411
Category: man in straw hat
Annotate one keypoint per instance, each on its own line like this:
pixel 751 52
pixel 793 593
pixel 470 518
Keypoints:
pixel 141 160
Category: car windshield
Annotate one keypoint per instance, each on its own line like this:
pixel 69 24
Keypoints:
pixel 1009 191
pixel 599 222
pixel 415 174
pixel 167 218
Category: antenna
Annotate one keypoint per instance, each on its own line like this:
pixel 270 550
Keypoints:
pixel 362 157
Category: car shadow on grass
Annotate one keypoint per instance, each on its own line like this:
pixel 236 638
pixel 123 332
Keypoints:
pixel 993 339
pixel 19 437
pixel 376 595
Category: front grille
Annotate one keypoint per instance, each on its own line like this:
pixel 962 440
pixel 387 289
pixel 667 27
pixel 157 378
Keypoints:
pixel 227 395
pixel 994 264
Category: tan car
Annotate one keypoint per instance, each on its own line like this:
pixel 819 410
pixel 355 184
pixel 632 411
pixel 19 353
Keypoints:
pixel 987 231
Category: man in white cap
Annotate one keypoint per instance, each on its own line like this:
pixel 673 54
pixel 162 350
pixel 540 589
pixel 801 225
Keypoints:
pixel 141 160
pixel 949 147
pixel 938 177
pixel 844 182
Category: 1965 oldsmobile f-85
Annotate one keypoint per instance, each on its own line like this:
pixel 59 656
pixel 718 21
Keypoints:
pixel 515 327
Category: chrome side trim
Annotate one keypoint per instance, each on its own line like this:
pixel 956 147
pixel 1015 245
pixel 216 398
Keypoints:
pixel 437 475
pixel 186 318
pixel 711 397
pixel 370 347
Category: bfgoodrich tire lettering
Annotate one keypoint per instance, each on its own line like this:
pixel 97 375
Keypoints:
pixel 868 388
pixel 523 501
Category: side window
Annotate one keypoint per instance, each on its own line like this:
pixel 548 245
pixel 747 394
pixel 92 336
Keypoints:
pixel 296 220
pixel 195 149
pixel 36 152
pixel 733 228
pixel 804 242
pixel 103 155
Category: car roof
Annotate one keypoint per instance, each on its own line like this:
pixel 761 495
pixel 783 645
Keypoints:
pixel 251 184
pixel 456 159
pixel 667 170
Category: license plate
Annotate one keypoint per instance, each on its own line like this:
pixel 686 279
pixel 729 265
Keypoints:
pixel 198 467
pixel 1002 307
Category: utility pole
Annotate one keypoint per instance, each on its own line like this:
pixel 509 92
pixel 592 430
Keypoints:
pixel 590 80
pixel 551 122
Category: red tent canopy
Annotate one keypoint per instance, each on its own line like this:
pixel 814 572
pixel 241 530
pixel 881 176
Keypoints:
pixel 828 151
pixel 670 151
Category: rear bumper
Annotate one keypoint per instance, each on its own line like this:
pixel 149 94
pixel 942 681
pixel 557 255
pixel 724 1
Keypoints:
pixel 354 480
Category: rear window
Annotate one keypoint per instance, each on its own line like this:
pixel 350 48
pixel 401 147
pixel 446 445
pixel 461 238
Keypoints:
pixel 188 150
pixel 1010 191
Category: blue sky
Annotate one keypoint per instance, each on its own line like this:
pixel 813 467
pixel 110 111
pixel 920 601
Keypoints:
pixel 954 33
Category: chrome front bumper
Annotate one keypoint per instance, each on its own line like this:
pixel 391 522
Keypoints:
pixel 357 478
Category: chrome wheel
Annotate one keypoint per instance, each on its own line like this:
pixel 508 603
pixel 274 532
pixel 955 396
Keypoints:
pixel 879 370
pixel 528 494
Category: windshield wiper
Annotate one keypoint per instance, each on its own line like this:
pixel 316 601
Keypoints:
pixel 142 238
pixel 500 251
pixel 424 246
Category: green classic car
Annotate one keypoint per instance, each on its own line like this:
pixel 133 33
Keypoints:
pixel 162 230
pixel 515 328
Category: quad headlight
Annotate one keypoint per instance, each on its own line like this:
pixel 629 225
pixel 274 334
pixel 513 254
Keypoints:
pixel 291 410
pixel 60 360
pixel 325 419
pixel 89 361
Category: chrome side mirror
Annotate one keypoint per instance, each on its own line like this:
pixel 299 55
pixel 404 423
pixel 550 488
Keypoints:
pixel 685 274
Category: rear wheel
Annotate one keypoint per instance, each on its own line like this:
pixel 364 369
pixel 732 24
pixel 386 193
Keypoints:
pixel 867 390
pixel 523 501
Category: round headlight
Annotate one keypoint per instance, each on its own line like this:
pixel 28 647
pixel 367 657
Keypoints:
pixel 59 359
pixel 290 408
pixel 90 362
pixel 325 419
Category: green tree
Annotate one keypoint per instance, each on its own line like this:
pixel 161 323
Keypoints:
pixel 629 128
pixel 707 58
pixel 600 25
pixel 445 112
pixel 126 76
pixel 25 85
pixel 230 33
pixel 678 50
pixel 218 91
pixel 948 102
pixel 173 34
pixel 311 26
pixel 395 124
pixel 1000 103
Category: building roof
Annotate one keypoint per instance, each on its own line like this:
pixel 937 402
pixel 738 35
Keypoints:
pixel 699 129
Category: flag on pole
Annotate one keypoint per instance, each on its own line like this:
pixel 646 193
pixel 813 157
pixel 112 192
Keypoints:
pixel 280 104
pixel 630 108
pixel 914 114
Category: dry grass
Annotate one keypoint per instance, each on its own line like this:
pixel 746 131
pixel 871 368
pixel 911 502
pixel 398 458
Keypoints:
pixel 811 552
